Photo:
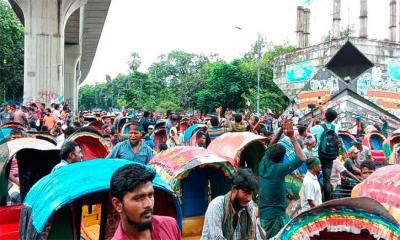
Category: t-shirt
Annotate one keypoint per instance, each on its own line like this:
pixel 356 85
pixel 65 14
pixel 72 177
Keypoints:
pixel 317 132
pixel 337 169
pixel 123 150
pixel 273 187
pixel 49 121
pixel 20 117
pixel 162 228
pixel 215 132
pixel 310 190
pixel 350 164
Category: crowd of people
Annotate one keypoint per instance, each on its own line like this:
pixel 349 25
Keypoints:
pixel 234 215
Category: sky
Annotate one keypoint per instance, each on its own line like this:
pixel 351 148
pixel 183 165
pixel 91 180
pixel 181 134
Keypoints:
pixel 155 27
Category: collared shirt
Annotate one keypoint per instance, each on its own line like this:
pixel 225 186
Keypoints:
pixel 162 228
pixel 310 190
pixel 59 165
pixel 123 150
pixel 273 202
pixel 212 228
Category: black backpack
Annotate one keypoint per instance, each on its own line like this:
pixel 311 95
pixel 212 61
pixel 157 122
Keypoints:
pixel 329 144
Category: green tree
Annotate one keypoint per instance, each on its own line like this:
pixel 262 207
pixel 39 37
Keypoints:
pixel 135 62
pixel 11 54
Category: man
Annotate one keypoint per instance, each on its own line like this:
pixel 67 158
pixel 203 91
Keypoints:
pixel 309 143
pixel 327 148
pixel 351 163
pixel 132 195
pixel 302 135
pixel 145 121
pixel 365 152
pixel 272 171
pixel 56 112
pixel 20 116
pixel 49 120
pixel 200 139
pixel 134 148
pixel 69 153
pixel 238 125
pixel 367 168
pixel 232 216
pixel 310 193
pixel 170 121
pixel 66 132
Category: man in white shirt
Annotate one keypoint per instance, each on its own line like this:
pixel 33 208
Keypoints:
pixel 310 193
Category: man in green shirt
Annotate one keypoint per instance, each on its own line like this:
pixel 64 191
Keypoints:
pixel 272 181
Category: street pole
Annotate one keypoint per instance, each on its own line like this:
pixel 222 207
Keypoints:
pixel 258 82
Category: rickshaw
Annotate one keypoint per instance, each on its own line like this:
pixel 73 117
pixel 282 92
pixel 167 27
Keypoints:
pixel 44 136
pixel 343 219
pixel 55 206
pixel 120 124
pixel 36 158
pixel 382 185
pixel 391 149
pixel 242 149
pixel 189 137
pixel 374 141
pixel 91 142
pixel 347 139
pixel 96 124
pixel 13 125
pixel 4 134
pixel 197 176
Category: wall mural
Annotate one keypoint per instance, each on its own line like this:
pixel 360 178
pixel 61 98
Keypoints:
pixel 299 72
pixel 318 90
pixel 381 87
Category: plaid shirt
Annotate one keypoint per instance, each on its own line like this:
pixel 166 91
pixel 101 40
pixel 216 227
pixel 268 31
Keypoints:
pixel 212 229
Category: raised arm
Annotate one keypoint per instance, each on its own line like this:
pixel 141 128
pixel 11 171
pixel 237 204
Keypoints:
pixel 296 145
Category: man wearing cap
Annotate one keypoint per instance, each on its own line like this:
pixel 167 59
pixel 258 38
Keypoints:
pixel 134 148
pixel 365 152
pixel 351 163
pixel 310 193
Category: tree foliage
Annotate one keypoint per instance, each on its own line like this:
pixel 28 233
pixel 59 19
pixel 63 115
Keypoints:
pixel 183 81
pixel 11 53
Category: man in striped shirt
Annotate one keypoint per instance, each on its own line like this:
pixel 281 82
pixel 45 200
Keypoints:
pixel 232 216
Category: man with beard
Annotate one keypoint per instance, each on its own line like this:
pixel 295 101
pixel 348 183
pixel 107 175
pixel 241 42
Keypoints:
pixel 232 216
pixel 133 198
pixel 134 148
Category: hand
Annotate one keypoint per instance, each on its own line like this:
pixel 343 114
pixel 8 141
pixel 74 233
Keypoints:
pixel 218 110
pixel 289 128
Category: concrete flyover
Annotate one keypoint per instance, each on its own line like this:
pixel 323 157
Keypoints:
pixel 61 39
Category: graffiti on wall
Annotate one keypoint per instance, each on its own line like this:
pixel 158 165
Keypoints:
pixel 318 90
pixel 49 96
pixel 382 88
pixel 299 72
pixel 394 69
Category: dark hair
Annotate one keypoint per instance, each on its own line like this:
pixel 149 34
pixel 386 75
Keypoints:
pixel 277 152
pixel 256 118
pixel 244 179
pixel 169 112
pixel 17 131
pixel 302 130
pixel 163 146
pixel 214 121
pixel 200 134
pixel 238 118
pixel 68 131
pixel 48 110
pixel 33 105
pixel 56 106
pixel 146 114
pixel 368 164
pixel 330 115
pixel 127 178
pixel 67 148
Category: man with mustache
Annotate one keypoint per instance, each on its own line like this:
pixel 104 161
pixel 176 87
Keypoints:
pixel 133 198
pixel 232 216
pixel 134 148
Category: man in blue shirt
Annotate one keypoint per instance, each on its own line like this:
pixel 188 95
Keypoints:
pixel 133 149
pixel 326 162
pixel 70 153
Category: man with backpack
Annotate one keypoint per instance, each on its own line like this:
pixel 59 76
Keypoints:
pixel 327 148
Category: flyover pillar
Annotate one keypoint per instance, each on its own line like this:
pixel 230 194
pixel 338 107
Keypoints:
pixel 71 57
pixel 44 47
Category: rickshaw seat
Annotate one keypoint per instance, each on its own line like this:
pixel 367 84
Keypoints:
pixel 192 227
